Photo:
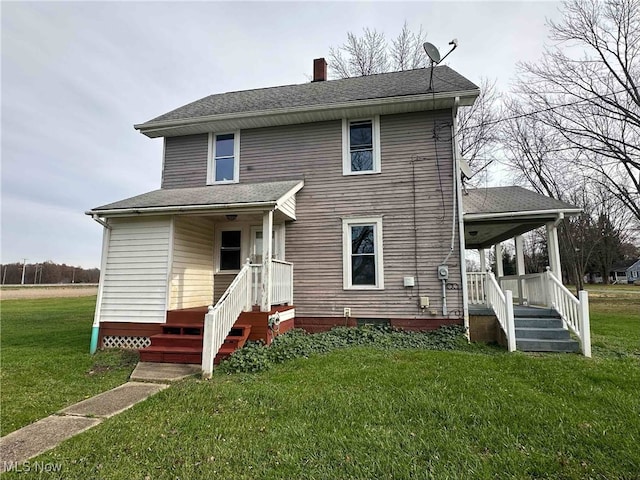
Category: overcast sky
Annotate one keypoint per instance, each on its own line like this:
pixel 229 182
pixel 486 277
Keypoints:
pixel 77 76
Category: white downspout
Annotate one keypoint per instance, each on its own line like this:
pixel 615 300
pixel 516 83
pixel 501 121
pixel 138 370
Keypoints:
pixel 457 182
pixel 106 238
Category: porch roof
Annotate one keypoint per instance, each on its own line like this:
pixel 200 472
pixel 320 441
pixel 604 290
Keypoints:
pixel 495 214
pixel 234 198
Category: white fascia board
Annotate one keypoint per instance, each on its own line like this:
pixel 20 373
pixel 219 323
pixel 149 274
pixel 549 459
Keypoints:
pixel 155 129
pixel 236 207
pixel 290 193
pixel 525 214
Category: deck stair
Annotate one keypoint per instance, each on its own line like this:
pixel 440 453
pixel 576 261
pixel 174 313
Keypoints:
pixel 181 342
pixel 541 330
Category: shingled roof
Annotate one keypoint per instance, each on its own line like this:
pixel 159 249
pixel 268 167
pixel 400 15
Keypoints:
pixel 510 199
pixel 383 85
pixel 212 197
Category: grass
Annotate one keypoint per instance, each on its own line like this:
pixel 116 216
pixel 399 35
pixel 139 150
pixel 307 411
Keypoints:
pixel 45 358
pixel 370 413
pixel 615 320
pixel 365 413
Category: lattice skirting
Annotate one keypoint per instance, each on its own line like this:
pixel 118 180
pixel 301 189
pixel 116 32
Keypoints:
pixel 117 341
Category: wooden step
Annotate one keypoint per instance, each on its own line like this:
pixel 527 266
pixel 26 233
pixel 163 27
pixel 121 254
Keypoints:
pixel 187 315
pixel 166 354
pixel 171 340
pixel 182 343
pixel 183 329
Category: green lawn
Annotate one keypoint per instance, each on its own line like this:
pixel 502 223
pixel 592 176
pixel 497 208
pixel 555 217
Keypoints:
pixel 45 359
pixel 367 413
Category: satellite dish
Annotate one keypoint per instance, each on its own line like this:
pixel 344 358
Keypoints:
pixel 432 52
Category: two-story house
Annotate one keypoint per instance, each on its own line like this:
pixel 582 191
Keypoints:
pixel 332 202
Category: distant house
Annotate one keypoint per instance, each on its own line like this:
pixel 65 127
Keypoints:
pixel 327 203
pixel 633 272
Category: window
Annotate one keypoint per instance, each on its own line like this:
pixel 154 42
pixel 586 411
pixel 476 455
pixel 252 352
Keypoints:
pixel 224 162
pixel 362 253
pixel 361 146
pixel 230 242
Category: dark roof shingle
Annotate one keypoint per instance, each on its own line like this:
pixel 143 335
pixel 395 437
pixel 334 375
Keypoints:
pixel 383 85
pixel 213 195
pixel 509 199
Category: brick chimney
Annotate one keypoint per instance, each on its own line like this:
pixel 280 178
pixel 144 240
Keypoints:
pixel 319 70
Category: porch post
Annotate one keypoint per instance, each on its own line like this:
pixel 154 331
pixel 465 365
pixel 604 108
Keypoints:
pixel 483 260
pixel 499 266
pixel 519 241
pixel 267 250
pixel 554 250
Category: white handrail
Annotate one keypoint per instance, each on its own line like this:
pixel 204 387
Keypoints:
pixel 476 288
pixel 528 289
pixel 574 311
pixel 502 305
pixel 220 318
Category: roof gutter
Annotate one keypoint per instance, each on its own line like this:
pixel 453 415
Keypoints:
pixel 180 209
pixel 489 216
pixel 164 124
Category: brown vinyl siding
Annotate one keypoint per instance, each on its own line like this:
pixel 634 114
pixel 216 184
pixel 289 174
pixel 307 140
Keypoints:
pixel 314 241
pixel 185 161
pixel 220 284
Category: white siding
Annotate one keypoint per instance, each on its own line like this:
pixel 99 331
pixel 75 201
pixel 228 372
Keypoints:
pixel 135 276
pixel 289 207
pixel 192 269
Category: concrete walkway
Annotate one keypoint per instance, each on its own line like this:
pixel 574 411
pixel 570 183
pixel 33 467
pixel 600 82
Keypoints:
pixel 45 434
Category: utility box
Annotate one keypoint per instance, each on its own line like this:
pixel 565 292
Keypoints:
pixel 409 281
pixel 424 302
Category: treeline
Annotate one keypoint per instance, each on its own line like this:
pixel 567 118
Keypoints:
pixel 47 273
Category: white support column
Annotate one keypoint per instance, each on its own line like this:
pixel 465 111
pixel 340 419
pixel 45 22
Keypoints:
pixel 267 253
pixel 519 241
pixel 499 266
pixel 554 250
pixel 483 260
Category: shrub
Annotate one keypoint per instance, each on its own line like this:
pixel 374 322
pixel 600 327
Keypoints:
pixel 296 343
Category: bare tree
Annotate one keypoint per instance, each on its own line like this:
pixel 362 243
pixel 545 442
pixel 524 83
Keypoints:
pixel 585 89
pixel 537 155
pixel 478 136
pixel 371 53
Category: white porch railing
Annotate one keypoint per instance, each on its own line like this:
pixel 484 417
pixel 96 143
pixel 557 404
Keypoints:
pixel 530 289
pixel 242 294
pixel 281 282
pixel 502 304
pixel 476 288
pixel 220 318
pixel 574 311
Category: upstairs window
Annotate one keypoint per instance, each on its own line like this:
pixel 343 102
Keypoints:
pixel 361 146
pixel 224 162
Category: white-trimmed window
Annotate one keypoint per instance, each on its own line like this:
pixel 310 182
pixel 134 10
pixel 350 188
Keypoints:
pixel 230 250
pixel 361 146
pixel 362 253
pixel 224 158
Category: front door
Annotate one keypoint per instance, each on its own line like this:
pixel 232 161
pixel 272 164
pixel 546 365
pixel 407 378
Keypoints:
pixel 256 245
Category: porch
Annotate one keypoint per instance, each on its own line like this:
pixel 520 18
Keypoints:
pixel 526 311
pixel 172 255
